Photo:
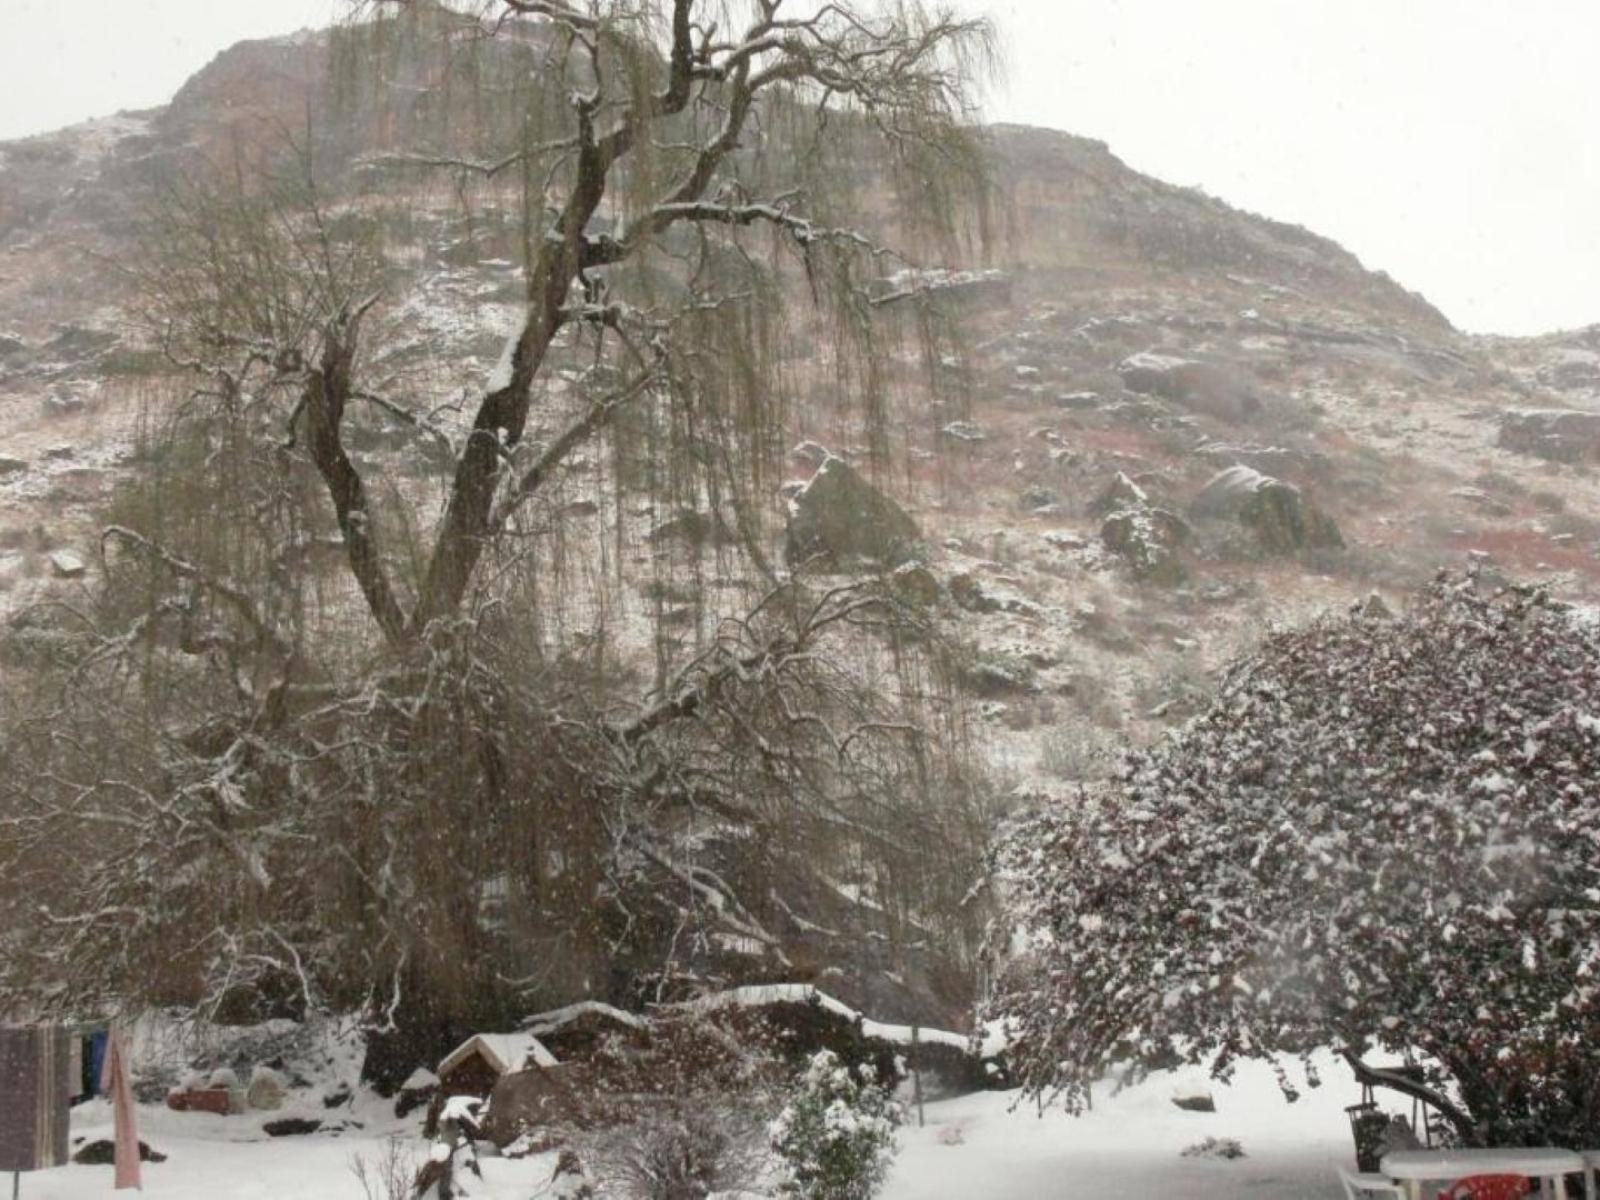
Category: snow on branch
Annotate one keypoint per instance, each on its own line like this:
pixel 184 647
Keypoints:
pixel 1384 832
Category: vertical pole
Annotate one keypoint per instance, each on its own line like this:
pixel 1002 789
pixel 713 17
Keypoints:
pixel 16 1184
pixel 916 1072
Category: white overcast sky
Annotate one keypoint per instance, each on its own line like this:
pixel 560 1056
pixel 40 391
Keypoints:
pixel 1453 143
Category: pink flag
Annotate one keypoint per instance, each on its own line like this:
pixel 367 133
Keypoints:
pixel 115 1079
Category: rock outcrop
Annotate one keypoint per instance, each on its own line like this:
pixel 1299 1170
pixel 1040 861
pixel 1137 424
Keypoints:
pixel 1217 389
pixel 1559 434
pixel 1277 515
pixel 1143 535
pixel 841 519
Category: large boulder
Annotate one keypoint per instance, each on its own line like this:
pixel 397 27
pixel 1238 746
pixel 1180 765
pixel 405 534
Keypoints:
pixel 1560 434
pixel 1215 388
pixel 1147 537
pixel 1148 540
pixel 840 518
pixel 1277 515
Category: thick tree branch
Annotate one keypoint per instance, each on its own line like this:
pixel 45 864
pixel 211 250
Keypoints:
pixel 326 392
pixel 599 415
pixel 1377 1077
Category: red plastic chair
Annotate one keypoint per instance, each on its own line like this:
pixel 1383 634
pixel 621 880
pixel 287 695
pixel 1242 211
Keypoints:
pixel 1487 1187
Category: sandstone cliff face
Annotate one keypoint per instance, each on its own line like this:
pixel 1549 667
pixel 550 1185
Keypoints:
pixel 1083 208
pixel 1122 330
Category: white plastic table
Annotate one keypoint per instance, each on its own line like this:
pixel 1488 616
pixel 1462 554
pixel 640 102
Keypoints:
pixel 1544 1163
pixel 1591 1163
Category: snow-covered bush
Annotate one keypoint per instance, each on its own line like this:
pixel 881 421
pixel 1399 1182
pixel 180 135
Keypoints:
pixel 678 1155
pixel 1383 831
pixel 836 1135
pixel 680 1114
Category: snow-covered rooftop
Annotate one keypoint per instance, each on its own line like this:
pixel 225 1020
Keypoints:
pixel 505 1052
pixel 759 995
pixel 558 1018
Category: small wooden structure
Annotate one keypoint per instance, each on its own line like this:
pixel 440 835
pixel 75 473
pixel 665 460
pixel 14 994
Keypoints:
pixel 475 1066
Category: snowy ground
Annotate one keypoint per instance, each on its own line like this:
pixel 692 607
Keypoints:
pixel 1130 1145
pixel 972 1148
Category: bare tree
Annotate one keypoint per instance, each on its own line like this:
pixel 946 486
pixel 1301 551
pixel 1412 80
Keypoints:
pixel 420 774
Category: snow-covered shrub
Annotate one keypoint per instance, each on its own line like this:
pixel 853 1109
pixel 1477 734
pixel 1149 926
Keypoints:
pixel 679 1155
pixel 1383 831
pixel 679 1114
pixel 836 1135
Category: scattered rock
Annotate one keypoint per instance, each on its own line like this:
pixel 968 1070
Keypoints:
pixel 1034 498
pixel 580 508
pixel 338 1096
pixel 965 431
pixel 10 465
pixel 914 584
pixel 994 675
pixel 102 1152
pixel 1196 1102
pixel 841 518
pixel 291 1126
pixel 968 592
pixel 67 565
pixel 1065 539
pixel 1280 519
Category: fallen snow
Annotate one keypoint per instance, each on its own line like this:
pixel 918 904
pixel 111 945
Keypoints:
pixel 1131 1144
pixel 973 1148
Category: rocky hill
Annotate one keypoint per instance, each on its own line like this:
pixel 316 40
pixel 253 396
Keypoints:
pixel 1184 423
